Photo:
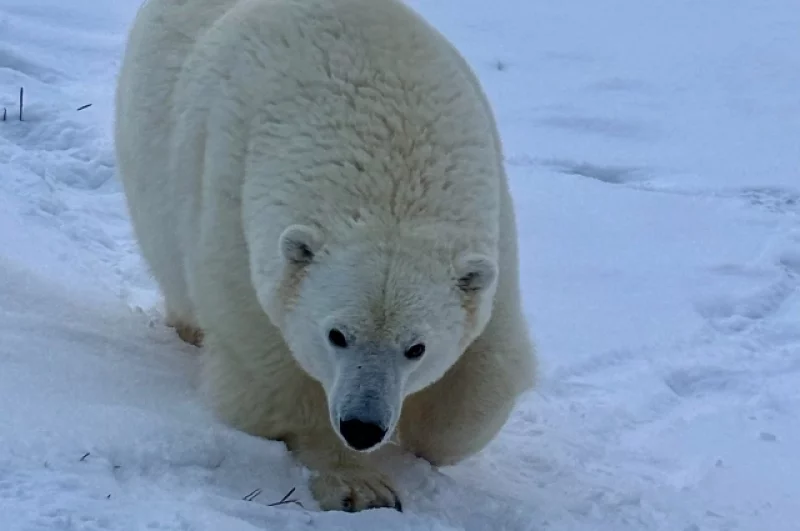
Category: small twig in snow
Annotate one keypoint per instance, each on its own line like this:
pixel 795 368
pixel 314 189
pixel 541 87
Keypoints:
pixel 20 103
pixel 82 107
pixel 252 496
pixel 5 112
pixel 286 500
pixel 87 454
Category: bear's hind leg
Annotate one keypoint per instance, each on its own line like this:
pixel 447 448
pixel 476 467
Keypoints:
pixel 161 253
pixel 188 333
pixel 180 316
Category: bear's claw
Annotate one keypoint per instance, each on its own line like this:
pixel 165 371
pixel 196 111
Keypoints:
pixel 353 490
pixel 190 334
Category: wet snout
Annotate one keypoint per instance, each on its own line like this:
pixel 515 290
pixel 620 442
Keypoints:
pixel 366 403
pixel 364 423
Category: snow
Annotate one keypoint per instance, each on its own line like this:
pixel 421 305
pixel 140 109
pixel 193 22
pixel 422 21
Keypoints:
pixel 653 154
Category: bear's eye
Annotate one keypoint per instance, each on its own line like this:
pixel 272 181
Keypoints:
pixel 415 352
pixel 336 337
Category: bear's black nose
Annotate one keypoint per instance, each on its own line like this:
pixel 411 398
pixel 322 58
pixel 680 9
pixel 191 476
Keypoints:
pixel 361 435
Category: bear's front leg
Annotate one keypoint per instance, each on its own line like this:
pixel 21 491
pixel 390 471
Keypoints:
pixel 460 414
pixel 342 479
pixel 276 400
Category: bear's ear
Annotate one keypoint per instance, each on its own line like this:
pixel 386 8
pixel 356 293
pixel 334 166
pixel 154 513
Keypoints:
pixel 299 243
pixel 475 272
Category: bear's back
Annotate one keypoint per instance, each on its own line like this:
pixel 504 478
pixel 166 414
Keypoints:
pixel 334 113
pixel 360 112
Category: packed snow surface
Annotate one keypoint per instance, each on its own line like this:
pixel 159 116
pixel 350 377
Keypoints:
pixel 654 153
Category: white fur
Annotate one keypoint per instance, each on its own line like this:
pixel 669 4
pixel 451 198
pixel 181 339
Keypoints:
pixel 297 166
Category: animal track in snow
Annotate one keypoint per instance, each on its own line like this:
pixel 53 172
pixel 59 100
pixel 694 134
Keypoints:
pixel 59 149
pixel 612 174
pixel 734 314
pixel 63 176
pixel 697 381
pixel 11 60
pixel 606 127
pixel 773 199
pixel 775 273
pixel 620 84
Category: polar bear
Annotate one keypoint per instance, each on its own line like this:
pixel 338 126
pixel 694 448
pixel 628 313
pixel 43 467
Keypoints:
pixel 318 189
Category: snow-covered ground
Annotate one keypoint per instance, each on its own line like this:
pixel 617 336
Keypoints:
pixel 654 152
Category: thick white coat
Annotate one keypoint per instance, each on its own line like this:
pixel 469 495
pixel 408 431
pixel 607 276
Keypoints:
pixel 293 166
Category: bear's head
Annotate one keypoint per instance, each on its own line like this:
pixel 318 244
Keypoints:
pixel 376 319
